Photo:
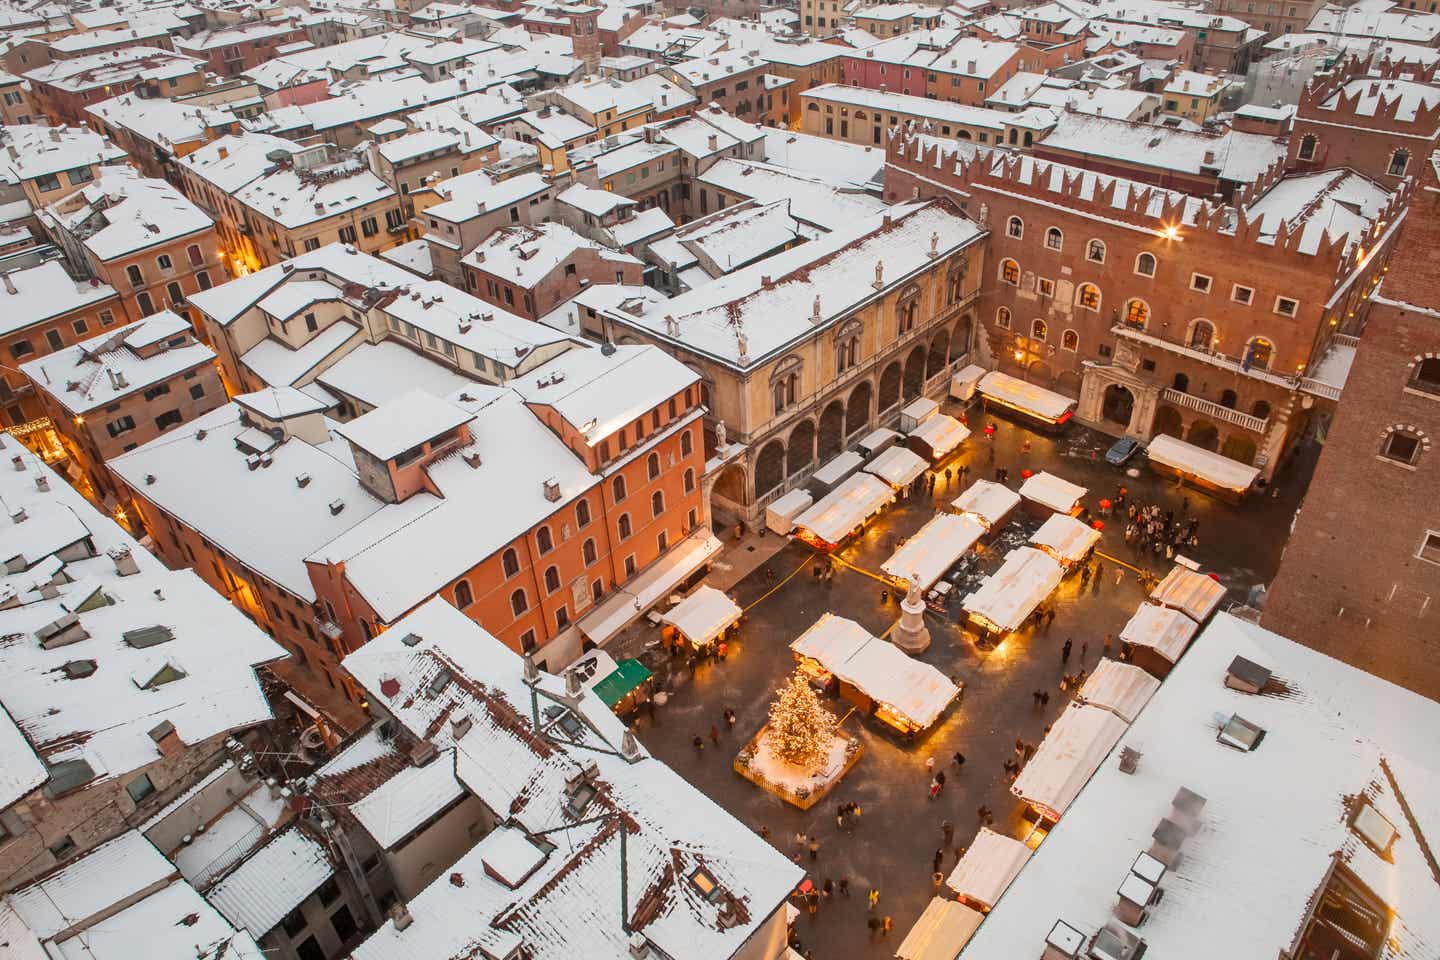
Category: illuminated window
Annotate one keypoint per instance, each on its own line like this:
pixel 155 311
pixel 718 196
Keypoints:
pixel 1137 313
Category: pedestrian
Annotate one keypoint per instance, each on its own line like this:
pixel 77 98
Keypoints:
pixel 844 886
pixel 948 830
pixel 1065 652
pixel 828 889
pixel 839 819
pixel 814 847
pixel 940 778
pixel 730 717
pixel 929 764
pixel 959 759
pixel 1045 700
pixel 714 734
pixel 855 811
pixel 1084 576
pixel 938 879
pixel 939 859
pixel 1105 649
pixel 1084 650
pixel 812 902
pixel 947 478
pixel 1029 751
pixel 1119 575
pixel 884 597
pixel 764 831
pixel 1035 695
pixel 1049 618
pixel 874 924
pixel 874 897
pixel 885 927
pixel 699 746
pixel 1019 747
pixel 982 812
pixel 934 788
pixel 800 841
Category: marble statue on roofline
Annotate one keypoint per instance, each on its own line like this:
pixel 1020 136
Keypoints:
pixel 720 439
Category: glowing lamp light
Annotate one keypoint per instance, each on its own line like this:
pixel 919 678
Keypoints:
pixel 1019 354
pixel 1172 233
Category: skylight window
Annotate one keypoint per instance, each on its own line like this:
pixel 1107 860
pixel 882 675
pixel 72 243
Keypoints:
pixel 1240 734
pixel 148 636
pixel 703 881
pixel 437 686
pixel 166 674
pixel 1374 828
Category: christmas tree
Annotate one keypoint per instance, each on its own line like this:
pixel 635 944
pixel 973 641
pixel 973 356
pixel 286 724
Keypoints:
pixel 800 728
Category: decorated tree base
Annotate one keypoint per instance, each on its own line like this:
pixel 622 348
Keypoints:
pixel 802 786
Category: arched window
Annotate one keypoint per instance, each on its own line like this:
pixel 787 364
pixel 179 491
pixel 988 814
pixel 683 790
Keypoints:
pixel 847 354
pixel 1137 313
pixel 1088 296
pixel 955 280
pixel 1095 251
pixel 510 562
pixel 1202 335
pixel 689 480
pixel 1425 376
pixel 687 444
pixel 582 514
pixel 1038 329
pixel 1145 264
pixel 907 310
pixel 1228 399
pixel 1399 160
pixel 1307 147
pixel 1002 318
pixel 1070 340
pixel 785 389
pixel 552 579
pixel 652 466
pixel 1261 409
pixel 1054 239
pixel 518 602
pixel 617 487
pixel 1010 272
pixel 197 258
pixel 624 526
pixel 463 596
pixel 657 503
pixel 544 541
pixel 1015 227
pixel 1258 353
pixel 587 551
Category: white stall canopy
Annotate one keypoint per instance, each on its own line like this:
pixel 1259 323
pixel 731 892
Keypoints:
pixel 991 862
pixel 942 433
pixel 876 440
pixel 941 933
pixel 897 466
pixel 1068 757
pixel 1026 397
pixel 964 382
pixel 703 615
pixel 840 512
pixel 1168 632
pixel 916 412
pixel 1012 593
pixel 1201 463
pixel 838 469
pixel 1195 593
pixel 934 548
pixel 1065 538
pixel 989 501
pixel 1051 491
pixel 780 515
pixel 1121 688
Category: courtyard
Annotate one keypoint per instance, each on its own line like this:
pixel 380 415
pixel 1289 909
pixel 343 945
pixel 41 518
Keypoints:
pixel 892 844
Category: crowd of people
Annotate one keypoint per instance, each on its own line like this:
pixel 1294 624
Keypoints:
pixel 1148 529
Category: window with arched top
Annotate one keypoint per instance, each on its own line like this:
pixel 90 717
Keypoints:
pixel 588 551
pixel 543 540
pixel 1010 272
pixel 1015 227
pixel 657 503
pixel 582 514
pixel 617 487
pixel 907 309
pixel 1095 251
pixel 785 384
pixel 1202 335
pixel 623 526
pixel 1070 340
pixel 1425 375
pixel 1181 382
pixel 1145 264
pixel 1259 352
pixel 652 466
pixel 1261 409
pixel 463 595
pixel 1137 313
pixel 955 280
pixel 1087 295
pixel 1399 160
pixel 510 562
pixel 519 603
pixel 1054 239
pixel 687 444
pixel 552 579
pixel 1228 399
pixel 1307 147
pixel 689 480
pixel 1038 329
pixel 1002 318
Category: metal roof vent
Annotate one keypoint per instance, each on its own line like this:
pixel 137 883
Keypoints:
pixel 1240 733
pixel 1063 942
pixel 148 636
pixel 62 631
pixel 1246 676
pixel 1114 942
pixel 79 669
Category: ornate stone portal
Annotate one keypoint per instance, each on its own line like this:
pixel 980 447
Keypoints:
pixel 910 633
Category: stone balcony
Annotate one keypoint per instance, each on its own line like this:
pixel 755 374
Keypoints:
pixel 1215 411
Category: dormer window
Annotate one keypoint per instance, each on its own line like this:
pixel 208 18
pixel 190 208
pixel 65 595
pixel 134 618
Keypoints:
pixel 438 684
pixel 166 674
pixel 579 797
pixel 704 882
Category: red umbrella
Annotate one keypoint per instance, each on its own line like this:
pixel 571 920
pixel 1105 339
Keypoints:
pixel 1026 474
pixel 989 429
pixel 1104 504
pixel 1215 578
pixel 1098 524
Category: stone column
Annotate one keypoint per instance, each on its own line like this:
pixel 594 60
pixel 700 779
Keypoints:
pixel 910 633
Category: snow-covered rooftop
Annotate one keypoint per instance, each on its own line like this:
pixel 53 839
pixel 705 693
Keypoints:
pixel 122 212
pixel 44 150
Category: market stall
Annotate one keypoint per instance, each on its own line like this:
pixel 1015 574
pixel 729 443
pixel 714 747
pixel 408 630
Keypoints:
pixel 897 466
pixel 1066 539
pixel 876 440
pixel 1068 757
pixel 832 474
pixel 1121 688
pixel 1158 636
pixel 938 437
pixel 1012 593
pixel 625 687
pixel 874 675
pixel 916 412
pixel 990 863
pixel 964 383
pixel 1044 493
pixel 933 549
pixel 703 617
pixel 1045 410
pixel 1204 469
pixel 993 504
pixel 843 511
pixel 941 933
pixel 780 515
pixel 1195 593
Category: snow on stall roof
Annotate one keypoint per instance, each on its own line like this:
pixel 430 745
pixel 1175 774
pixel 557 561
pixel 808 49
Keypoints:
pixel 836 515
pixel 1205 464
pixel 942 930
pixel 405 422
pixel 1051 491
pixel 1078 742
pixel 1121 688
pixel 1168 632
pixel 990 864
pixel 1065 538
pixel 624 605
pixel 897 466
pixel 831 639
pixel 1027 396
pixel 942 433
pixel 272 881
pixel 1275 822
pixel 376 373
pixel 396 808
pixel 1012 593
pixel 280 365
pixel 989 501
pixel 1196 594
pixel 569 905
pixel 837 468
pixel 934 548
pixel 703 615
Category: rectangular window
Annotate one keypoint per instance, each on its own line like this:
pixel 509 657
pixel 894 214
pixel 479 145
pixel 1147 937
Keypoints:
pixel 47 182
pixel 140 788
pixel 196 392
pixel 1200 283
pixel 369 227
pixel 1430 547
pixel 159 390
pixel 347 234
pixel 1046 287
pixel 312 244
pixel 53 338
pixel 1242 294
pixel 123 425
pixel 1286 307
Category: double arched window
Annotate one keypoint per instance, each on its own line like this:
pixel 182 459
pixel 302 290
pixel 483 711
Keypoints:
pixel 1087 295
pixel 1038 330
pixel 1137 313
pixel 1145 264
pixel 907 310
pixel 1054 239
pixel 1202 335
pixel 1010 272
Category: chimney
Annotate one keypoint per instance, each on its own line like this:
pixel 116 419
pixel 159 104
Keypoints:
pixel 10 285
pixel 19 515
pixel 970 66
pixel 714 142
pixel 572 683
pixel 42 482
pixel 552 490
pixel 224 152
pixel 400 916
pixel 336 506
pixel 125 564
pixel 319 207
pixel 18 461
